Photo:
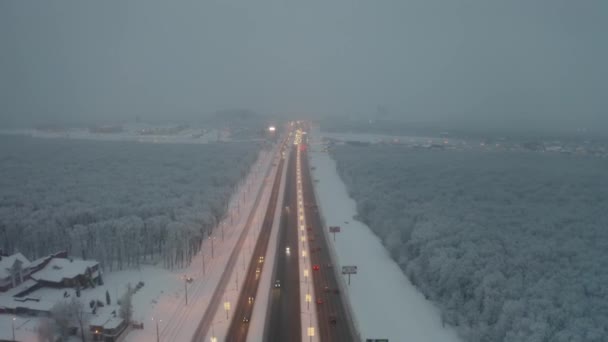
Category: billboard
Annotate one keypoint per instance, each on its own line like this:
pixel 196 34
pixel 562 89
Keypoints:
pixel 349 269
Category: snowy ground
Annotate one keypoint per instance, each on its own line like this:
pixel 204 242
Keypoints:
pixel 385 303
pixel 231 293
pixel 262 299
pixel 24 327
pixel 131 132
pixel 166 304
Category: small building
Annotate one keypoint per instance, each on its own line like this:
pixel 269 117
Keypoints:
pixel 14 270
pixel 107 329
pixel 62 272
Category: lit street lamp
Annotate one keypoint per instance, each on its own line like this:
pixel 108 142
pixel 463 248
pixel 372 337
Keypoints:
pixel 157 334
pixel 227 308
pixel 308 300
pixel 311 329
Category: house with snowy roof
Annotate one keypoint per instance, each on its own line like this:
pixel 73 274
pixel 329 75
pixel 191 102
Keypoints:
pixel 63 272
pixel 14 270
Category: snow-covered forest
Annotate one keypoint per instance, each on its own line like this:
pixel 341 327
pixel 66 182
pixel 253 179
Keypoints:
pixel 511 246
pixel 121 203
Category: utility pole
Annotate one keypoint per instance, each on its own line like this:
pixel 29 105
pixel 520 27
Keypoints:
pixel 157 334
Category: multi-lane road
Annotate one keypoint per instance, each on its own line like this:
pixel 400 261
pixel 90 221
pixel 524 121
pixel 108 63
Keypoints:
pixel 239 324
pixel 283 321
pixel 331 311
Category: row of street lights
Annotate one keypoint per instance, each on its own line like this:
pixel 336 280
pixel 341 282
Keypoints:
pixel 302 223
pixel 212 238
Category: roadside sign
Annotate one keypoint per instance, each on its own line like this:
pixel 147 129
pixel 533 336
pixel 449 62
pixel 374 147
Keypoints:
pixel 334 230
pixel 349 269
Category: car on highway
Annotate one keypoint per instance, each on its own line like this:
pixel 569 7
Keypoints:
pixel 319 301
pixel 250 300
pixel 326 289
pixel 333 320
pixel 261 259
pixel 287 250
pixel 316 267
pixel 277 283
pixel 245 319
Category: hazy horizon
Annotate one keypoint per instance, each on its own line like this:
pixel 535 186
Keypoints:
pixel 509 64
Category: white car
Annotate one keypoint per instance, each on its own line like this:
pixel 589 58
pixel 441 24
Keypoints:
pixel 287 250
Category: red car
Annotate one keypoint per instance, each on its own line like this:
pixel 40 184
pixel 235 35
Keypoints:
pixel 316 267
pixel 319 301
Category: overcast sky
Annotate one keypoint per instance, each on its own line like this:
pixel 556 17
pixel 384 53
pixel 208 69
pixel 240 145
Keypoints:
pixel 515 62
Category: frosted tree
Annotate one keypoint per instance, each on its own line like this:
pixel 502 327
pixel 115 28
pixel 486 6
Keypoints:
pixel 126 304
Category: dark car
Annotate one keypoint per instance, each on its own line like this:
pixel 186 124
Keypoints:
pixel 333 320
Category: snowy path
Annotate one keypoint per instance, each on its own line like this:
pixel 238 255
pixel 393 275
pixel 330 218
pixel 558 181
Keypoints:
pixel 178 321
pixel 222 318
pixel 385 303
pixel 262 299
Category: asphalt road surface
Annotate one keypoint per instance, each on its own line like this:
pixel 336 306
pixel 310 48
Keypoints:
pixel 239 325
pixel 203 327
pixel 283 320
pixel 331 312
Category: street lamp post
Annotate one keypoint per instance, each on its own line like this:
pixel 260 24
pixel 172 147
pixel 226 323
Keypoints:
pixel 186 288
pixel 212 238
pixel 157 334
pixel 236 281
pixel 203 253
pixel 13 326
pixel 227 308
